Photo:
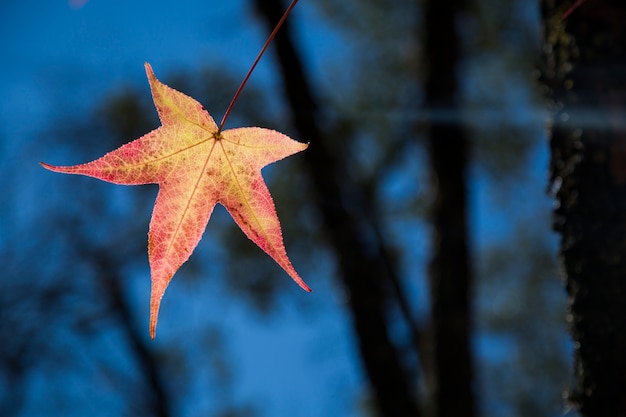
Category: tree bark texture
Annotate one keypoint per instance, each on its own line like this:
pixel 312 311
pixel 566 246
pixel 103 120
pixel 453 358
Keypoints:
pixel 585 72
pixel 363 271
pixel 450 273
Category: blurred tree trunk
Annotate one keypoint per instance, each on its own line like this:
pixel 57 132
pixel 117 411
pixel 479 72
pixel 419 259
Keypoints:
pixel 156 401
pixel 450 274
pixel 364 272
pixel 585 68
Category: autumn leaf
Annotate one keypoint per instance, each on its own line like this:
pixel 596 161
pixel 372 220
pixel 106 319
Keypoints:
pixel 196 167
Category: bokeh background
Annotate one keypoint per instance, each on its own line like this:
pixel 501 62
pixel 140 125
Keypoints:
pixel 236 337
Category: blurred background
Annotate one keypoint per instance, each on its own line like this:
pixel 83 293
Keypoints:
pixel 236 337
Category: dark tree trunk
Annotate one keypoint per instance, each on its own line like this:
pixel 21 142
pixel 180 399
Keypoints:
pixel 450 274
pixel 363 271
pixel 157 398
pixel 585 66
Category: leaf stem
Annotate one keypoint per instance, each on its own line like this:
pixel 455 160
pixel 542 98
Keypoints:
pixel 572 8
pixel 256 61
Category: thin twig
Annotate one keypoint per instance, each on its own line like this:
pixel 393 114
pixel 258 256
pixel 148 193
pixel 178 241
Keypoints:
pixel 256 61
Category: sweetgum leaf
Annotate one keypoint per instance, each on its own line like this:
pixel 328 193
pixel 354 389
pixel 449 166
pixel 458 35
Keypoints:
pixel 196 167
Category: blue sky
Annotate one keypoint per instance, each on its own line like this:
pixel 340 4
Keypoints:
pixel 53 49
pixel 60 57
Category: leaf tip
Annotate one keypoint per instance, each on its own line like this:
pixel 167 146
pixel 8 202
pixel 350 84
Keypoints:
pixel 300 282
pixel 154 315
pixel 155 303
pixel 54 168
pixel 149 71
